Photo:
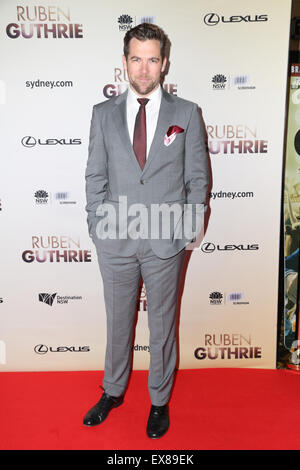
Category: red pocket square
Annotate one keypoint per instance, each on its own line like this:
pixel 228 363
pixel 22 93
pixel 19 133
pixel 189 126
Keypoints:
pixel 174 129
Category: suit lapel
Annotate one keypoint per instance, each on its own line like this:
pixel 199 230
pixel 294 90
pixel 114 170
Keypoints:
pixel 120 121
pixel 166 113
pixel 165 116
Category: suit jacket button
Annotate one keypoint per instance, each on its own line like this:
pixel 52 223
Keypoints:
pixel 142 181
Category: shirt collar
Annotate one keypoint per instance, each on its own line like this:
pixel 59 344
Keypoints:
pixel 154 97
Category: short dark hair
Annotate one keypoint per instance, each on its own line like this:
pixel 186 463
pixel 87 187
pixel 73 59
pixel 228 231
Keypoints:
pixel 145 31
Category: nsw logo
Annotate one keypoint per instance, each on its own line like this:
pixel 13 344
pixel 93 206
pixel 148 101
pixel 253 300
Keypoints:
pixel 41 196
pixel 216 298
pixel 125 22
pixel 219 82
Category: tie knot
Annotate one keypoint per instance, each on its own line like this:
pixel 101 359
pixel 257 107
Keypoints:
pixel 143 101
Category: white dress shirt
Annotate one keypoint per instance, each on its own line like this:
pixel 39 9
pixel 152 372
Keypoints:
pixel 152 111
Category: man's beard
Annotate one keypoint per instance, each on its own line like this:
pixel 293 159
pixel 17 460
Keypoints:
pixel 143 91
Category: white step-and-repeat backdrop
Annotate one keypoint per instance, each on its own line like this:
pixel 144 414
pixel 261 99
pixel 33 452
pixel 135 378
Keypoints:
pixel 60 58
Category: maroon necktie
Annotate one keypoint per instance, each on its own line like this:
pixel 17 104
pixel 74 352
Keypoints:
pixel 140 133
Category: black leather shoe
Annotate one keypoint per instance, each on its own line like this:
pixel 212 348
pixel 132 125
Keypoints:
pixel 158 421
pixel 100 411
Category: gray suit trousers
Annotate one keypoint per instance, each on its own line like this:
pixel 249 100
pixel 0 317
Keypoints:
pixel 121 279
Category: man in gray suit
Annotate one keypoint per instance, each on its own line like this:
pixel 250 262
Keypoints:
pixel 146 183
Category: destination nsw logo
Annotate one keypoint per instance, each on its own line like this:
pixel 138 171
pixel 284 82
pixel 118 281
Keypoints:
pixel 56 249
pixel 43 22
pixel 48 299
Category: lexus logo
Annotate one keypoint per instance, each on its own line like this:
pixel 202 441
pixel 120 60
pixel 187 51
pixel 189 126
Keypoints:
pixel 211 19
pixel 41 349
pixel 28 141
pixel 208 247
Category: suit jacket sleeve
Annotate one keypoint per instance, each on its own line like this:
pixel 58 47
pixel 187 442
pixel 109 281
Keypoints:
pixel 196 173
pixel 96 172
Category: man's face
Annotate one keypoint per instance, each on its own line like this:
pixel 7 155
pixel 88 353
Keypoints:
pixel 144 65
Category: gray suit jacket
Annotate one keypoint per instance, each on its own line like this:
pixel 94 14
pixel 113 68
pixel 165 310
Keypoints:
pixel 177 173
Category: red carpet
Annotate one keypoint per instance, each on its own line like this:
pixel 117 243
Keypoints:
pixel 210 409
